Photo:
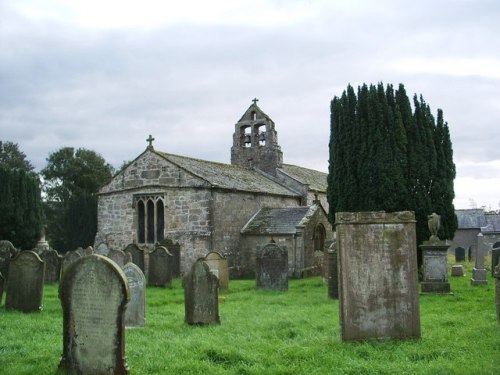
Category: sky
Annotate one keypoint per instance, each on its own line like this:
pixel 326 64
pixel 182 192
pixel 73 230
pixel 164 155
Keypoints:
pixel 104 74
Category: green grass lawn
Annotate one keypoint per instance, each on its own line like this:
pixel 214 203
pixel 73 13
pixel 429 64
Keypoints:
pixel 296 332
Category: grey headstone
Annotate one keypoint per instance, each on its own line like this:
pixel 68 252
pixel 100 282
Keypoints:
pixel 118 256
pixel 497 291
pixel 271 270
pixel 135 314
pixel 218 265
pixel 137 255
pixel 94 293
pixel 495 257
pixel 160 267
pixel 69 258
pixel 333 274
pixel 201 295
pixel 378 277
pixel 2 283
pixel 88 251
pixel 175 250
pixel 7 252
pixel 479 273
pixel 52 265
pixel 25 283
pixel 457 270
pixel 102 249
pixel 459 254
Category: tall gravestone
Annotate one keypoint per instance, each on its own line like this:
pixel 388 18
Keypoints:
pixel 7 252
pixel 2 283
pixel 479 273
pixel 271 271
pixel 459 254
pixel 93 294
pixel 175 250
pixel 333 274
pixel 378 275
pixel 135 314
pixel 118 256
pixel 52 265
pixel 25 283
pixel 69 258
pixel 495 257
pixel 201 295
pixel 160 267
pixel 138 255
pixel 219 267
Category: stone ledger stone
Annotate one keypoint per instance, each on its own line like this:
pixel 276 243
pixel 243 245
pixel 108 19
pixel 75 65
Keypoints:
pixel 271 270
pixel 25 283
pixel 135 314
pixel 378 275
pixel 94 293
pixel 218 265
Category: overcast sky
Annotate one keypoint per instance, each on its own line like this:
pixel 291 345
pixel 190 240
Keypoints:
pixel 104 74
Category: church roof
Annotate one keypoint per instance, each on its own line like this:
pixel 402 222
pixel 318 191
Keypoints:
pixel 228 176
pixel 477 218
pixel 316 180
pixel 278 220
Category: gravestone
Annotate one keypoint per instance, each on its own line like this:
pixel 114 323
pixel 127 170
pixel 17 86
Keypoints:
pixel 459 254
pixel 2 283
pixel 135 313
pixel 102 249
pixel 69 258
pixel 497 290
pixel 457 270
pixel 137 255
pixel 93 294
pixel 201 295
pixel 271 270
pixel 42 245
pixel 378 279
pixel 25 283
pixel 333 274
pixel 7 252
pixel 219 267
pixel 118 256
pixel 160 267
pixel 495 257
pixel 52 265
pixel 175 250
pixel 479 273
pixel 88 251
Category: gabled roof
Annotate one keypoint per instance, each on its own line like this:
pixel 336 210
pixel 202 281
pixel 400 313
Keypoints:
pixel 316 180
pixel 278 220
pixel 478 218
pixel 228 176
pixel 254 108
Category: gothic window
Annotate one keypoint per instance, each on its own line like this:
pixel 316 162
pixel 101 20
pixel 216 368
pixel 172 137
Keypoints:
pixel 319 238
pixel 150 211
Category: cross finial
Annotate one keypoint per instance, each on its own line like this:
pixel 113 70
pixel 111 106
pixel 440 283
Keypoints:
pixel 150 140
pixel 255 100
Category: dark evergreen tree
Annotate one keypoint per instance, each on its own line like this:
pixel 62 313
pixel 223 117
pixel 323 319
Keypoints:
pixel 13 158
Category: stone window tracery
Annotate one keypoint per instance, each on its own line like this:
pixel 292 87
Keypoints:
pixel 150 211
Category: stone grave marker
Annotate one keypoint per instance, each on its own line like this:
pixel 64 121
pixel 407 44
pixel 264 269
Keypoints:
pixel 135 313
pixel 377 257
pixel 271 270
pixel 497 290
pixel 333 274
pixel 102 249
pixel 25 282
pixel 160 267
pixel 93 294
pixel 459 254
pixel 219 267
pixel 479 272
pixel 201 295
pixel 118 256
pixel 495 257
pixel 2 283
pixel 69 258
pixel 88 251
pixel 52 265
pixel 175 250
pixel 137 255
pixel 7 252
pixel 457 270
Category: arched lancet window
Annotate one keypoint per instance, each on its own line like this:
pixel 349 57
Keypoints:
pixel 141 228
pixel 160 220
pixel 150 211
pixel 319 237
pixel 150 217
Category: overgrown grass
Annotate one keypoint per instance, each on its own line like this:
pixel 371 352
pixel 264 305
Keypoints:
pixel 296 332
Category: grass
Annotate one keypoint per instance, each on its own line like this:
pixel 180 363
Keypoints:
pixel 264 332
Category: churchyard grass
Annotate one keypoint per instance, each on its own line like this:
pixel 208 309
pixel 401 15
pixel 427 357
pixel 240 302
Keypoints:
pixel 262 332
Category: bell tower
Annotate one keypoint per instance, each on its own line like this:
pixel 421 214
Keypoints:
pixel 255 142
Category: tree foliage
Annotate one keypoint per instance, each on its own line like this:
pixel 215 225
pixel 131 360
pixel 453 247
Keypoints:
pixel 386 156
pixel 71 180
pixel 13 158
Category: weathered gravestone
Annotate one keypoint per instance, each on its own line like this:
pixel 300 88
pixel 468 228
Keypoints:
pixel 201 295
pixel 495 257
pixel 135 314
pixel 175 250
pixel 7 252
pixel 333 274
pixel 271 271
pixel 118 256
pixel 2 283
pixel 219 267
pixel 479 273
pixel 52 265
pixel 137 255
pixel 102 249
pixel 69 258
pixel 25 283
pixel 497 290
pixel 93 294
pixel 378 275
pixel 457 270
pixel 160 267
pixel 459 254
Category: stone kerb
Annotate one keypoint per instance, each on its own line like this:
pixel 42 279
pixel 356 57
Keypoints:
pixel 94 293
pixel 377 255
pixel 218 265
pixel 25 282
pixel 160 267
pixel 135 313
pixel 271 271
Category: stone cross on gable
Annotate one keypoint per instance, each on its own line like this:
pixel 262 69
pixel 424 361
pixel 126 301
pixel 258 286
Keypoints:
pixel 150 141
pixel 255 100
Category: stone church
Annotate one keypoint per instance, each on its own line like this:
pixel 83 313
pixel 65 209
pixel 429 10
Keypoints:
pixel 231 208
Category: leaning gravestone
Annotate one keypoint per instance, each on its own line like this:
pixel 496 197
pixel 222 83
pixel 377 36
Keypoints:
pixel 135 314
pixel 7 252
pixel 69 258
pixel 459 254
pixel 218 265
pixel 2 283
pixel 93 294
pixel 52 265
pixel 201 295
pixel 378 275
pixel 160 267
pixel 118 256
pixel 137 255
pixel 271 270
pixel 25 283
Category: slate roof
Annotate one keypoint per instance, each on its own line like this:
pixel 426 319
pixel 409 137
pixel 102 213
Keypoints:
pixel 477 218
pixel 227 176
pixel 278 220
pixel 315 179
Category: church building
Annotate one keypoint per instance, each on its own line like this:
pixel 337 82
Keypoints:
pixel 231 208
